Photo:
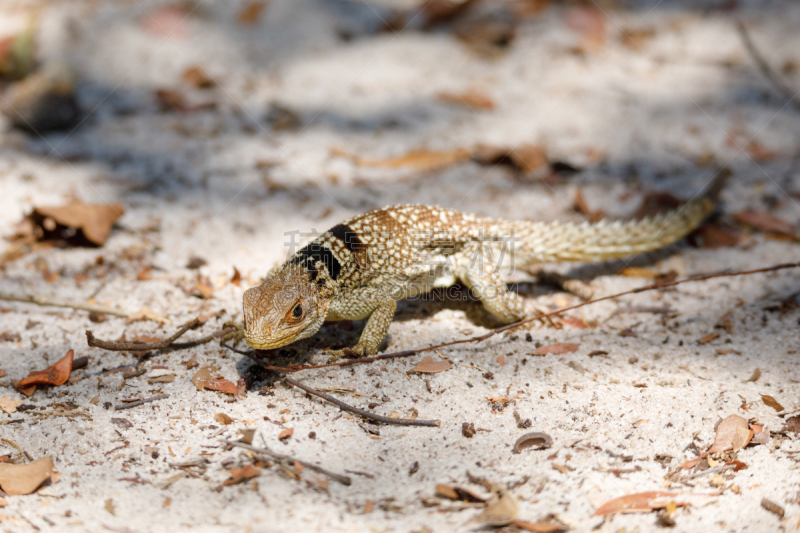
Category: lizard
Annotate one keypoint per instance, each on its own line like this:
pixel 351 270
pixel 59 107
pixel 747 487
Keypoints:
pixel 362 267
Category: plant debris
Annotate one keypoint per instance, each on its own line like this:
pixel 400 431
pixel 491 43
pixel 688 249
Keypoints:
pixel 56 374
pixel 559 348
pixel 534 439
pixel 429 366
pixel 19 479
pixel 771 402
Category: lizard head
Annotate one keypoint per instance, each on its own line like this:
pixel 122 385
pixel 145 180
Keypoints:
pixel 287 307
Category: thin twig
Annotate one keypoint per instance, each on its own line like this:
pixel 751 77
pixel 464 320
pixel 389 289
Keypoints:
pixel 361 412
pixel 408 353
pixel 764 67
pixel 714 470
pixel 344 480
pixel 137 403
pixel 160 345
pixel 38 299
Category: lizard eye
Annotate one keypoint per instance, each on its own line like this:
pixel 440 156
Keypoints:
pixel 295 314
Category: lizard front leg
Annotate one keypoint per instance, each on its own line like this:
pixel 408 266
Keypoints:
pixel 378 306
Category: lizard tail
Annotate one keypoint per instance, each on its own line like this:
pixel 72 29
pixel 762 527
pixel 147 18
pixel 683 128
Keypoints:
pixel 546 243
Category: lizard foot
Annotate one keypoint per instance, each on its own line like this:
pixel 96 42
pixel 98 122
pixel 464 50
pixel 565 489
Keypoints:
pixel 237 335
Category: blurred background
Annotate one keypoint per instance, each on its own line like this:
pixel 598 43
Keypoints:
pixel 226 125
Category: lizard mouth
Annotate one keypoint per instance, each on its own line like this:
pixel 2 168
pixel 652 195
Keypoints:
pixel 269 344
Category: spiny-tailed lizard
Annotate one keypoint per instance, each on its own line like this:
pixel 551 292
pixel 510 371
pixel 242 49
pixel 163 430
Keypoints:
pixel 363 266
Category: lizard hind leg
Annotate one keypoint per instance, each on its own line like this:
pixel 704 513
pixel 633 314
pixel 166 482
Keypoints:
pixel 486 284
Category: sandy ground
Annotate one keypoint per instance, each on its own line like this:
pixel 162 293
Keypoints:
pixel 227 185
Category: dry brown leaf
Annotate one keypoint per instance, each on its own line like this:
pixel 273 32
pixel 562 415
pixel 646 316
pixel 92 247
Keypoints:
pixel 639 272
pixel 533 439
pixel 196 77
pixel 145 313
pixel 241 474
pixel 3 373
pixel 459 493
pixel 421 160
pixel 590 23
pixel 472 99
pixel 223 419
pixel 640 502
pixel 286 434
pixel 25 478
pixel 56 374
pixel 204 289
pixel 93 220
pixel 558 348
pixel 733 433
pixel 792 424
pixel 763 221
pixel 772 402
pixel 498 399
pixel 708 338
pixel 755 376
pixel 251 13
pixel 500 510
pixel 204 374
pixel 524 158
pixel 582 207
pixel 222 385
pixel 9 405
pixel 429 366
pixel 713 235
pixel 542 526
pixel 760 434
pixel 236 279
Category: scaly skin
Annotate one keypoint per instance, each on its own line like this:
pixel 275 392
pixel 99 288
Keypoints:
pixel 363 266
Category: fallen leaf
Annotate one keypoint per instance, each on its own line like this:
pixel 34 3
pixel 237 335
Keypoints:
pixel 772 402
pixel 498 399
pixel 222 385
pixel 708 338
pixel 94 221
pixel 760 434
pixel 109 505
pixel 241 474
pixel 792 424
pixel 500 510
pixel 145 314
pixel 429 366
pixel 590 24
pixel 714 235
pixel 639 272
pixel 733 433
pixel 251 13
pixel 755 376
pixel 21 479
pixel 420 160
pixel 3 373
pixel 196 262
pixel 542 526
pixel 9 405
pixel 145 274
pixel 632 503
pixel 558 348
pixel 196 77
pixel 472 99
pixel 9 336
pixel 501 360
pixel 763 221
pixel 286 434
pixel 524 158
pixel 223 419
pixel 459 493
pixel 123 423
pixel 204 374
pixel 191 363
pixel 56 374
pixel 533 439
pixel 236 279
pixel 582 207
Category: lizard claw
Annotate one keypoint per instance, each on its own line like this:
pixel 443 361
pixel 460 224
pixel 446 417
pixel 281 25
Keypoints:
pixel 349 353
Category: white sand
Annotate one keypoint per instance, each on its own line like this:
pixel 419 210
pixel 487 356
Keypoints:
pixel 649 113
